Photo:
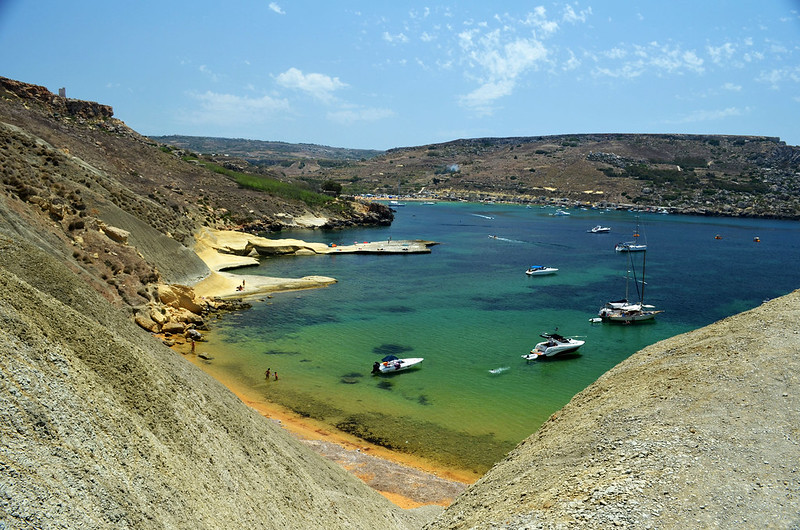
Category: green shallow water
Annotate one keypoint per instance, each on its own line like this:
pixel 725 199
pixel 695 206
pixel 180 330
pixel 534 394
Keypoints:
pixel 468 308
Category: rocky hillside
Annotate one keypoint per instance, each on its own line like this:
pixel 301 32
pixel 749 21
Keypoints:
pixel 752 176
pixel 102 425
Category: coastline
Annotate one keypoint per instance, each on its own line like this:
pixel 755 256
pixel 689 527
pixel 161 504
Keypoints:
pixel 382 469
pixel 404 479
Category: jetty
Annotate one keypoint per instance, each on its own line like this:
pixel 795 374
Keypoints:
pixel 399 246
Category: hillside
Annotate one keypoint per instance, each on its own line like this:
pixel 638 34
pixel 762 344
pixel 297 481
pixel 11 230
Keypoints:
pixel 751 176
pixel 264 153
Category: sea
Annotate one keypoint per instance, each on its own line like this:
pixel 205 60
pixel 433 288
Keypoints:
pixel 471 312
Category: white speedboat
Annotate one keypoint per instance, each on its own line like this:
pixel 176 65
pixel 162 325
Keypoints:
pixel 540 270
pixel 390 364
pixel 554 345
pixel 560 213
pixel 600 229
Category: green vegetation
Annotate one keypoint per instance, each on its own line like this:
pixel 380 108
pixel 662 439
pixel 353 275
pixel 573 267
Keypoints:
pixel 271 186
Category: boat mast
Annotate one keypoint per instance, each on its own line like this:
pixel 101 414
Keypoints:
pixel 644 260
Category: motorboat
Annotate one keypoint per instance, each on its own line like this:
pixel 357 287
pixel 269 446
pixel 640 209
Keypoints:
pixel 560 213
pixel 540 270
pixel 554 344
pixel 391 364
pixel 600 229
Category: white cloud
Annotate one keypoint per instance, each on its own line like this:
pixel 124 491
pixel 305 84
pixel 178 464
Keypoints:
pixel 276 8
pixel 538 20
pixel 400 37
pixel 712 115
pixel 232 110
pixel 572 17
pixel 572 63
pixel 660 59
pixel 777 76
pixel 722 53
pixel 500 64
pixel 319 86
pixel 482 98
pixel 350 116
pixel 732 87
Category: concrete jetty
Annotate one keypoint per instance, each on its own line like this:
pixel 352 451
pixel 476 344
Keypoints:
pixel 400 246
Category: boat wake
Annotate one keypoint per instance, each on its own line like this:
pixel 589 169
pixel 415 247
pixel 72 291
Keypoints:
pixel 506 239
pixel 484 216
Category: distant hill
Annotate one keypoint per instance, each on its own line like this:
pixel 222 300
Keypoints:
pixel 261 151
pixel 754 176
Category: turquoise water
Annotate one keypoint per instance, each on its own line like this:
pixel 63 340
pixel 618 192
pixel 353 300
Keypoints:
pixel 468 308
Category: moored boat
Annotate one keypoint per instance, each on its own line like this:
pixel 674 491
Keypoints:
pixel 390 364
pixel 624 311
pixel 540 270
pixel 630 246
pixel 554 345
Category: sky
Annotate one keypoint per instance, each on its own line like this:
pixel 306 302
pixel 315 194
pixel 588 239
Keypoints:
pixel 378 75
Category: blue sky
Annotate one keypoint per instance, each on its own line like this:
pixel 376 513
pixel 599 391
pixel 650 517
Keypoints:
pixel 391 74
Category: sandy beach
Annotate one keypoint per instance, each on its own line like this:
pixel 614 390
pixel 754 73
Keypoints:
pixel 405 480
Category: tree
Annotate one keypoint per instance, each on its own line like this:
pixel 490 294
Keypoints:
pixel 331 187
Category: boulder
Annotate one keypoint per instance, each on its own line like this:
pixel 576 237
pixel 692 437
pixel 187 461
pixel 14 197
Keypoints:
pixel 174 328
pixel 179 296
pixel 115 234
pixel 145 322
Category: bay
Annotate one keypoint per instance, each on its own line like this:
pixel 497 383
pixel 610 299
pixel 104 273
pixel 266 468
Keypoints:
pixel 470 310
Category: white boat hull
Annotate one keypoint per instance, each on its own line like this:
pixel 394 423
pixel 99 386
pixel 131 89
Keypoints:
pixel 630 247
pixel 627 316
pixel 543 271
pixel 547 349
pixel 396 365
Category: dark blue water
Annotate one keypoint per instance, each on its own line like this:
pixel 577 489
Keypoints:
pixel 468 308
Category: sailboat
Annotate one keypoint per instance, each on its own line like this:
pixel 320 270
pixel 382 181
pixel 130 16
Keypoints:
pixel 632 246
pixel 623 310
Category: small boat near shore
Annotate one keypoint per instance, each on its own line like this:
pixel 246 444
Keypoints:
pixel 554 345
pixel 391 364
pixel 540 270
